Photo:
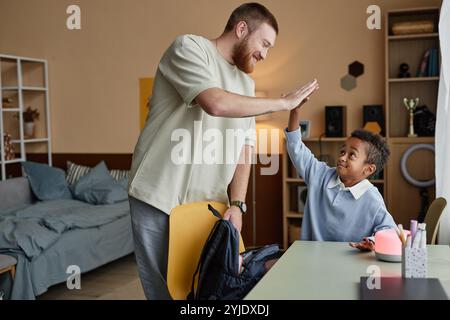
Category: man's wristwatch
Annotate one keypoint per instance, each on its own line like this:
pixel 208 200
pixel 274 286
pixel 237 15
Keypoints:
pixel 241 205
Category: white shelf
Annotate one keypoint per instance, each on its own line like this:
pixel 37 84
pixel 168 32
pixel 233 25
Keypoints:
pixel 14 161
pixel 26 59
pixel 34 89
pixel 10 109
pixel 37 140
pixel 27 88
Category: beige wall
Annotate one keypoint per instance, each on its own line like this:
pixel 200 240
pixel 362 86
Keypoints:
pixel 94 72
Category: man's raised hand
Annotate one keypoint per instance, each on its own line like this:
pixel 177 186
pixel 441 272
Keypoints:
pixel 300 96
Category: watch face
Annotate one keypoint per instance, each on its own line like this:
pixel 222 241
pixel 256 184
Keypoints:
pixel 244 207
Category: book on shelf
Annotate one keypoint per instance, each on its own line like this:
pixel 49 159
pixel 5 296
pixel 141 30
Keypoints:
pixel 429 65
pixel 434 63
pixel 423 66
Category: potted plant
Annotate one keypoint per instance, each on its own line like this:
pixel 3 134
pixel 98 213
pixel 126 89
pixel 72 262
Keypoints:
pixel 29 115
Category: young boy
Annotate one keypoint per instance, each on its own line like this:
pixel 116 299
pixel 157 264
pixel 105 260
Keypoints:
pixel 342 205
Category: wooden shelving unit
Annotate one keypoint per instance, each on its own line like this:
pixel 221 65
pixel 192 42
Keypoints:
pixel 403 199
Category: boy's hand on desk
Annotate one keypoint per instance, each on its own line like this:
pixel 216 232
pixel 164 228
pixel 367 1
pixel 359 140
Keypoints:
pixel 364 245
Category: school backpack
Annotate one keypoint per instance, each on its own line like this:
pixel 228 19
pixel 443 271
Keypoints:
pixel 219 274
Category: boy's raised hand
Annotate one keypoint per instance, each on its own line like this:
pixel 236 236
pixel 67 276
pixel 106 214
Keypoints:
pixel 365 245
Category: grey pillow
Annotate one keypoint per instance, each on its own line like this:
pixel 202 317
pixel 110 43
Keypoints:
pixel 119 175
pixel 75 172
pixel 47 183
pixel 99 187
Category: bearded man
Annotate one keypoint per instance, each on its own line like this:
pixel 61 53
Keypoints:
pixel 200 85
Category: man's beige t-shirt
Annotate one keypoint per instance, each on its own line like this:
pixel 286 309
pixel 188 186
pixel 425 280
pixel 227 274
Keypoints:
pixel 184 155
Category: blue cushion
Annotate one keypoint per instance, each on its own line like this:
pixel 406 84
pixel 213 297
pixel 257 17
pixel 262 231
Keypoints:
pixel 123 182
pixel 47 183
pixel 99 187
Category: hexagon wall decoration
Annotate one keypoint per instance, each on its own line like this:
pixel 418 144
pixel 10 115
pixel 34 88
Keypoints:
pixel 356 69
pixel 348 82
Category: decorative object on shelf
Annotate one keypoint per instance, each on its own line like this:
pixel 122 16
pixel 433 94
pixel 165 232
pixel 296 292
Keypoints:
pixel 373 127
pixel 305 128
pixel 404 71
pixel 424 122
pixel 413 27
pixel 373 118
pixel 423 185
pixel 29 116
pixel 411 105
pixel 7 102
pixel 9 147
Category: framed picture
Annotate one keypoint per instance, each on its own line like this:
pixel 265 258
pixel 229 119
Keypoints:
pixel 305 126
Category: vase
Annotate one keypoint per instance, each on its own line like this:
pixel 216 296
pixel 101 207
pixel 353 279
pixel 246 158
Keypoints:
pixel 28 129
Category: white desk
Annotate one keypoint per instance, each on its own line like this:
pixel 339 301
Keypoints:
pixel 332 270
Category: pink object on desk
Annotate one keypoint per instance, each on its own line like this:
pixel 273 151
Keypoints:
pixel 388 246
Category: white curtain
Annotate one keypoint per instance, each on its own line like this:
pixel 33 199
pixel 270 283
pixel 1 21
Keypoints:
pixel 443 124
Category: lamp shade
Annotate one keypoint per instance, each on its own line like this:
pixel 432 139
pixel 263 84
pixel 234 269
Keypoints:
pixel 388 246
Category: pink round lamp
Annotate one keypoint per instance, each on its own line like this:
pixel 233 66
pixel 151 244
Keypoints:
pixel 388 246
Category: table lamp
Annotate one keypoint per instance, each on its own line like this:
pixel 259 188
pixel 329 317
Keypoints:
pixel 388 246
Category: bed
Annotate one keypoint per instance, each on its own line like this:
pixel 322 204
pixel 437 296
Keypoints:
pixel 46 237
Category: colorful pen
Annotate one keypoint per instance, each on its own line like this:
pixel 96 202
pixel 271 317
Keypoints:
pixel 413 229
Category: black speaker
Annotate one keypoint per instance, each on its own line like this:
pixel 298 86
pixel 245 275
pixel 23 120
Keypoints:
pixel 335 121
pixel 374 113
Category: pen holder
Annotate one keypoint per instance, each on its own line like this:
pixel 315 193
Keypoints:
pixel 414 262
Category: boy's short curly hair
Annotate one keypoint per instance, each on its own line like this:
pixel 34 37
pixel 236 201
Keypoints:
pixel 378 151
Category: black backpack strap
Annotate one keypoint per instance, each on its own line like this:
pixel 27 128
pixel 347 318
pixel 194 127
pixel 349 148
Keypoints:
pixel 192 295
pixel 214 211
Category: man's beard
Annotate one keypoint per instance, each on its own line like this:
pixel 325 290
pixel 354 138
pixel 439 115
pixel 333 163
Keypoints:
pixel 242 56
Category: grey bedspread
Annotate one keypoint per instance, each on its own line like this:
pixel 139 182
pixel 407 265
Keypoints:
pixel 27 233
pixel 37 227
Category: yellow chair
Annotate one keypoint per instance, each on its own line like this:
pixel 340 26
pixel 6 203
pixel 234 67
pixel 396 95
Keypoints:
pixel 189 228
pixel 432 219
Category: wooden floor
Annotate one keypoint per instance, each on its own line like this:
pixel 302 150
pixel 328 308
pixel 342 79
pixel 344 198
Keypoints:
pixel 114 281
